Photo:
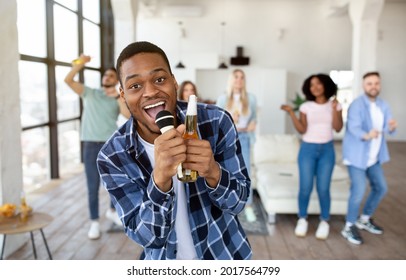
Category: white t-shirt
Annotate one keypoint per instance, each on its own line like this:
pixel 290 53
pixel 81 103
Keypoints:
pixel 185 248
pixel 243 120
pixel 377 123
pixel 319 121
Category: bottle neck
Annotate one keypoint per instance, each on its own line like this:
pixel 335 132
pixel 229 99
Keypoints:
pixel 192 106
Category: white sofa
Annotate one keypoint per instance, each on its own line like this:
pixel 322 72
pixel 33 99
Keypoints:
pixel 276 177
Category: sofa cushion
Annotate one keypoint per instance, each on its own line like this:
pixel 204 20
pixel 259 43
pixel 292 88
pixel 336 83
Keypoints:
pixel 339 173
pixel 291 170
pixel 282 180
pixel 276 148
pixel 277 180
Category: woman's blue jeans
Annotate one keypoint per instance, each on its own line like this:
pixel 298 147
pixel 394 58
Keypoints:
pixel 378 185
pixel 316 162
pixel 246 154
pixel 90 152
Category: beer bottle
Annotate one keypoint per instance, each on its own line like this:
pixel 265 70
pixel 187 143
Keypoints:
pixel 190 133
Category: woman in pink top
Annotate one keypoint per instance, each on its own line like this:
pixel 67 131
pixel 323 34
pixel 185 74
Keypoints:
pixel 319 115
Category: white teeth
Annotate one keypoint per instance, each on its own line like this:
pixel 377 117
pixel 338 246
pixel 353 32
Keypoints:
pixel 154 105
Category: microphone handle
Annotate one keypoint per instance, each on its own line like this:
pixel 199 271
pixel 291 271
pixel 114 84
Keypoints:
pixel 166 128
pixel 179 168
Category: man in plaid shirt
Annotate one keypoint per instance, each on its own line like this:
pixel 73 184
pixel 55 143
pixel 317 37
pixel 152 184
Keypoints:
pixel 138 164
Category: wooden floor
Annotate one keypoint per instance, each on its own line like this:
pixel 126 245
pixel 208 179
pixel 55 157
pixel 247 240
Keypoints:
pixel 67 234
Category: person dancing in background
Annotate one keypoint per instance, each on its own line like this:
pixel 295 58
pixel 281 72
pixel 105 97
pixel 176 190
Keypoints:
pixel 101 108
pixel 186 89
pixel 243 108
pixel 319 116
pixel 364 152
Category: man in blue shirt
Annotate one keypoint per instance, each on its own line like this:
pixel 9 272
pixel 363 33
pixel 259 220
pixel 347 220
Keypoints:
pixel 364 152
pixel 138 166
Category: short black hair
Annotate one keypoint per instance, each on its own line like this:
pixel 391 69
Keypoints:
pixel 136 48
pixel 374 73
pixel 330 88
pixel 111 68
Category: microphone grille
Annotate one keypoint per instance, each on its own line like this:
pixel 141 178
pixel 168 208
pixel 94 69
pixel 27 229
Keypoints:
pixel 164 118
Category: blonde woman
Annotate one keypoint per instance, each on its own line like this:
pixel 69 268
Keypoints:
pixel 243 108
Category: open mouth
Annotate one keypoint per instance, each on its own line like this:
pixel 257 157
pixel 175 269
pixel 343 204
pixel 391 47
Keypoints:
pixel 153 109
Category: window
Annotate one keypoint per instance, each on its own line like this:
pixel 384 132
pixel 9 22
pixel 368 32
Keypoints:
pixel 69 146
pixel 51 34
pixel 33 93
pixel 36 163
pixel 31 16
pixel 66 34
pixel 68 103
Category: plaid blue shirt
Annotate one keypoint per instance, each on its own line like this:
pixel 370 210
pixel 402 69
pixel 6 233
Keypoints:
pixel 148 214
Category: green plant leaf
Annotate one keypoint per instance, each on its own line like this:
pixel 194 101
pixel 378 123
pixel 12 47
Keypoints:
pixel 299 100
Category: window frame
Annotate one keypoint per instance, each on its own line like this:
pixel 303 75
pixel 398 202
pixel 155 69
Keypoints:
pixel 106 27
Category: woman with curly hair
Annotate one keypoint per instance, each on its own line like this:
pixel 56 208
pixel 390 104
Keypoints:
pixel 319 116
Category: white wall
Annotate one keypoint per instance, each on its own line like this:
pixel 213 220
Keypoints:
pixel 124 19
pixel 391 61
pixel 268 85
pixel 311 41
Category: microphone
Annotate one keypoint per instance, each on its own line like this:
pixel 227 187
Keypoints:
pixel 165 121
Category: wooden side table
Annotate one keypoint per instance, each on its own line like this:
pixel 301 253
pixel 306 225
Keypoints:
pixel 36 221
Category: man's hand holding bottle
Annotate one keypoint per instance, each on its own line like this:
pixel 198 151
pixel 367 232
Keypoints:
pixel 81 60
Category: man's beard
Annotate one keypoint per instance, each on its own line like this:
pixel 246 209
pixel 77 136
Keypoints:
pixel 373 93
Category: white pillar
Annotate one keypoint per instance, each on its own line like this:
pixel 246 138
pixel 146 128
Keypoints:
pixel 364 16
pixel 11 181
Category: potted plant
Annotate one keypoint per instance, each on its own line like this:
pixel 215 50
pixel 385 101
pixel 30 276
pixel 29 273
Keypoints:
pixel 299 100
